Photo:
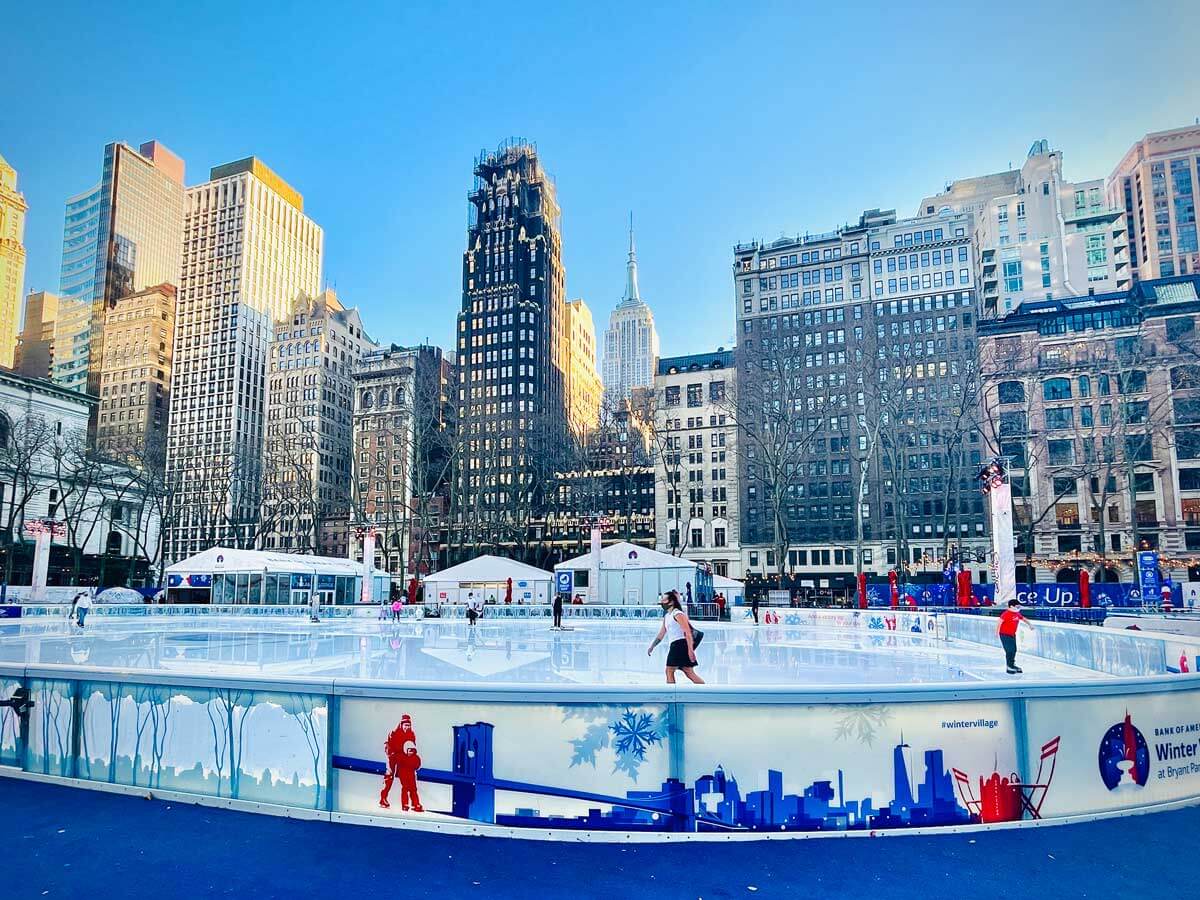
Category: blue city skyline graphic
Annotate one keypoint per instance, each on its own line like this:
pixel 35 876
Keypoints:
pixel 714 801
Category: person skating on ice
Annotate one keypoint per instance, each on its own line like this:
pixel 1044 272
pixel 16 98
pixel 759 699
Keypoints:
pixel 1010 620
pixel 681 639
pixel 474 608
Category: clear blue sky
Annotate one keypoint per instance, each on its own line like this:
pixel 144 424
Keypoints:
pixel 714 123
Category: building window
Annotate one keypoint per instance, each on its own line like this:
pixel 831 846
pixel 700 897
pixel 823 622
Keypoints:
pixel 1061 453
pixel 1011 392
pixel 1057 389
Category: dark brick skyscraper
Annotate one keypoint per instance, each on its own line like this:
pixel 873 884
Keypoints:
pixel 512 354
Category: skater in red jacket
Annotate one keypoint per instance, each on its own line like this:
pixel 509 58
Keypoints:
pixel 394 747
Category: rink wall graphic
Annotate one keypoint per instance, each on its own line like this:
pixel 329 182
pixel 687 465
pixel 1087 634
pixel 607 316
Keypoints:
pixel 627 762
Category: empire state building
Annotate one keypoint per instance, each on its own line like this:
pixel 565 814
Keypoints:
pixel 631 342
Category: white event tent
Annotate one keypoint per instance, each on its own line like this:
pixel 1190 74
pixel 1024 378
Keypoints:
pixel 734 590
pixel 488 575
pixel 633 575
pixel 229 575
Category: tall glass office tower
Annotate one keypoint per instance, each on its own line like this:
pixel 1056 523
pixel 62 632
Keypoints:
pixel 122 236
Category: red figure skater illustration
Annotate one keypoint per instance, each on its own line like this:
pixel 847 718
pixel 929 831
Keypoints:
pixel 403 763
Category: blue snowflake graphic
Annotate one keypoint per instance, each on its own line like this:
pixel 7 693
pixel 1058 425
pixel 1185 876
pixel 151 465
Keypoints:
pixel 629 732
pixel 633 733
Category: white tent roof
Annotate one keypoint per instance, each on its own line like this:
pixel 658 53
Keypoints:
pixel 720 581
pixel 488 569
pixel 227 559
pixel 623 555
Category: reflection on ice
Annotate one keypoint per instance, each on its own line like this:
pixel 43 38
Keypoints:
pixel 505 652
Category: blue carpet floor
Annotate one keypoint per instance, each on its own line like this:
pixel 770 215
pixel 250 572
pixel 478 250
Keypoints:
pixel 66 843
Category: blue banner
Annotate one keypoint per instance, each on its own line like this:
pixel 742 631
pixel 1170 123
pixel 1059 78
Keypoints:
pixel 1053 595
pixel 564 581
pixel 1147 565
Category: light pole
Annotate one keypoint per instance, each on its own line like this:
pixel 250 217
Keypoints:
pixel 994 485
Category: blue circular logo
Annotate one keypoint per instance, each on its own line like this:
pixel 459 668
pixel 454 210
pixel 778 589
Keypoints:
pixel 1124 757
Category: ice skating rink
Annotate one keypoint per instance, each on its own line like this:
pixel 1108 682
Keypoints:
pixel 503 651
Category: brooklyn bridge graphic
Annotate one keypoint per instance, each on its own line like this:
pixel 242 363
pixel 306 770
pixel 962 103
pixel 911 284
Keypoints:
pixel 714 802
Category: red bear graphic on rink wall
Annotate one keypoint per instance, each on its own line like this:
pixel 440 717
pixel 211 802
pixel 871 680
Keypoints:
pixel 403 763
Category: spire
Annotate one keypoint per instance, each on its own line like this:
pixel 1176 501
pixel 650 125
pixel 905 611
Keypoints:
pixel 631 285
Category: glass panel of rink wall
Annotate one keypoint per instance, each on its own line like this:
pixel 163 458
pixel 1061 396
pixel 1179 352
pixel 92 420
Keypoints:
pixel 233 741
pixel 1112 651
pixel 361 611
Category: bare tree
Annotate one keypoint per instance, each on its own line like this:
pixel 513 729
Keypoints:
pixel 291 508
pixel 1065 453
pixel 779 421
pixel 148 503
pixel 24 449
pixel 663 433
pixel 85 488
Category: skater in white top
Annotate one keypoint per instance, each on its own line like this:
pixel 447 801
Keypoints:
pixel 681 639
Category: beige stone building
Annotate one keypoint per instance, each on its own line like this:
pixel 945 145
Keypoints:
pixel 249 253
pixel 1037 235
pixel 584 390
pixel 35 343
pixel 135 375
pixel 12 260
pixel 1156 184
pixel 309 424
pixel 695 455
pixel 403 453
pixel 1095 404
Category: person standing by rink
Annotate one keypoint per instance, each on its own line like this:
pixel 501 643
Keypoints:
pixel 558 609
pixel 396 607
pixel 80 606
pixel 754 608
pixel 1010 620
pixel 682 639
pixel 474 608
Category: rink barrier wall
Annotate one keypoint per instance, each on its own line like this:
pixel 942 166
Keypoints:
pixel 1107 650
pixel 628 762
pixel 358 611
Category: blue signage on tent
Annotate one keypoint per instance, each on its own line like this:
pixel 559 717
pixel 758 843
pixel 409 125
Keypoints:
pixel 326 582
pixel 1147 561
pixel 301 582
pixel 564 581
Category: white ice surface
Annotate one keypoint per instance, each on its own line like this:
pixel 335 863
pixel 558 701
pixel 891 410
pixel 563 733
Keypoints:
pixel 501 652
